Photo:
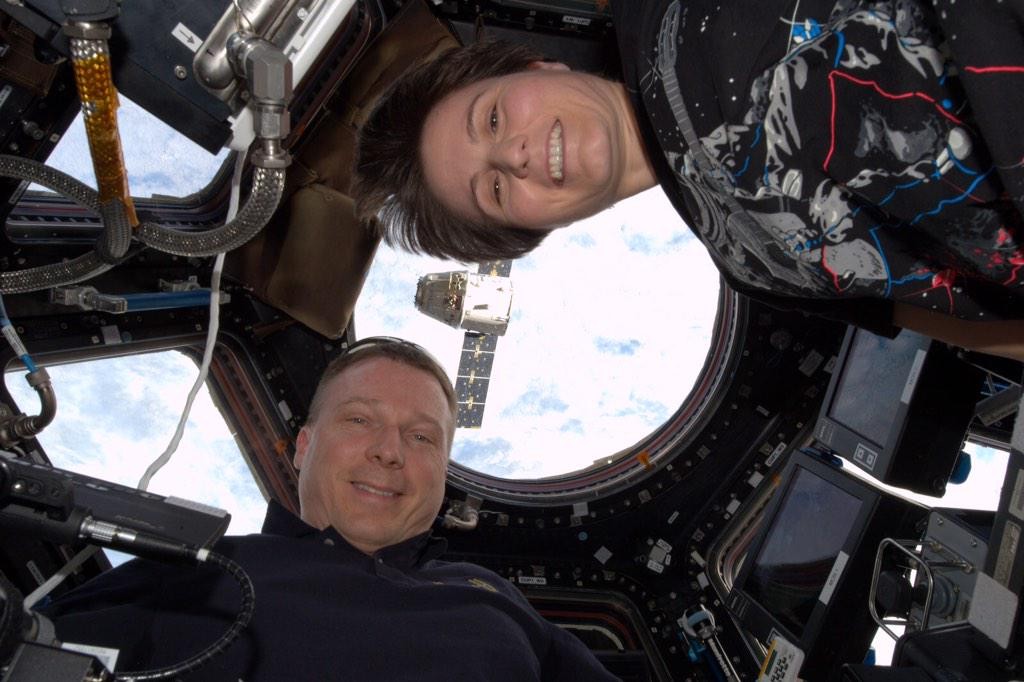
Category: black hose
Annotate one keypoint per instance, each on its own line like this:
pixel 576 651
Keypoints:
pixel 40 381
pixel 225 640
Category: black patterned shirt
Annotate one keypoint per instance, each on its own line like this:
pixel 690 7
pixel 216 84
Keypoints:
pixel 839 156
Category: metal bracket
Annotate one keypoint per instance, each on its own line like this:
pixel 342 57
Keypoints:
pixel 463 514
pixel 908 549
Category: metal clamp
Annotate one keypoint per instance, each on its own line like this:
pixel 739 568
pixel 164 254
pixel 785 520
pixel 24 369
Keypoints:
pixel 908 547
pixel 463 515
pixel 268 76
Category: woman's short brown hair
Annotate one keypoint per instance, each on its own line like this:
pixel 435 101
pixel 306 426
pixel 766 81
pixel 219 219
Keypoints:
pixel 389 181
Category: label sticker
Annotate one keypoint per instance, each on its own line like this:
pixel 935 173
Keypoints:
pixel 811 363
pixel 1017 498
pixel 915 374
pixel 186 37
pixel 576 21
pixel 865 456
pixel 1007 553
pixel 108 657
pixel 833 578
pixel 37 575
pixel 776 453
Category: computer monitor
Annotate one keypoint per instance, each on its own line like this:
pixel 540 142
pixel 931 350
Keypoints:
pixel 899 408
pixel 807 574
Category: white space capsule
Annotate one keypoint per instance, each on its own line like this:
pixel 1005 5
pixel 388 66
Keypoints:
pixel 466 300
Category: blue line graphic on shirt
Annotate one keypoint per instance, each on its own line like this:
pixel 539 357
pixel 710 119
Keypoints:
pixel 891 149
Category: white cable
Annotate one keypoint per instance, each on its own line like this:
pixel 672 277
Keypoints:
pixel 211 337
pixel 11 334
pixel 57 578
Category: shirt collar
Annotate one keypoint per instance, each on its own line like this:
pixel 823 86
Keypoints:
pixel 406 554
pixel 280 521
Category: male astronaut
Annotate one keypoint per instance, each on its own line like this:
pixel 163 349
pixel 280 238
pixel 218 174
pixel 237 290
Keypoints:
pixel 354 589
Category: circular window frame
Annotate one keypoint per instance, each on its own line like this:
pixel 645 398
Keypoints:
pixel 618 471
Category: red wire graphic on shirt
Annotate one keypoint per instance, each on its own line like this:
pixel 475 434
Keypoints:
pixel 888 95
pixel 994 69
pixel 946 278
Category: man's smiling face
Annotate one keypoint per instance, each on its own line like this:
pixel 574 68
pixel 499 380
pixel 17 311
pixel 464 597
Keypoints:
pixel 373 462
pixel 536 149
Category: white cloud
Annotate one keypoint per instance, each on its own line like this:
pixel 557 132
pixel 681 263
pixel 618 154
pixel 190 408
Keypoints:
pixel 632 275
pixel 157 158
pixel 115 416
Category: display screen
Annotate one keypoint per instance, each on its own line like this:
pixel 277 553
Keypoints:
pixel 872 382
pixel 812 525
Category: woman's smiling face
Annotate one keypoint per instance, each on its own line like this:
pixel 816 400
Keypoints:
pixel 536 149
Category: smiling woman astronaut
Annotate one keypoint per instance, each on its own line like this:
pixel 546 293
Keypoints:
pixel 857 159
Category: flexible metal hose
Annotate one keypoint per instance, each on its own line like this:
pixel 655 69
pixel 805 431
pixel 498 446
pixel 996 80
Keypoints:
pixel 117 231
pixel 52 275
pixel 50 178
pixel 68 272
pixel 267 188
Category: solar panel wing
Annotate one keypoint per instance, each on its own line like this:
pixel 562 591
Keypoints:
pixel 500 268
pixel 474 377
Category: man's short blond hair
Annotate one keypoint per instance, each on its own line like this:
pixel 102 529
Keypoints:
pixel 390 348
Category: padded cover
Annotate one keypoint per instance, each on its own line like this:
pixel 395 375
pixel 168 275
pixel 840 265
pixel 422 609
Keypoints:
pixel 312 258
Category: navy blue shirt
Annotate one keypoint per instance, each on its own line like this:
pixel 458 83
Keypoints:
pixel 325 610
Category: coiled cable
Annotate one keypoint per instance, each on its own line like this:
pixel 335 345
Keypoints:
pixel 197 661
